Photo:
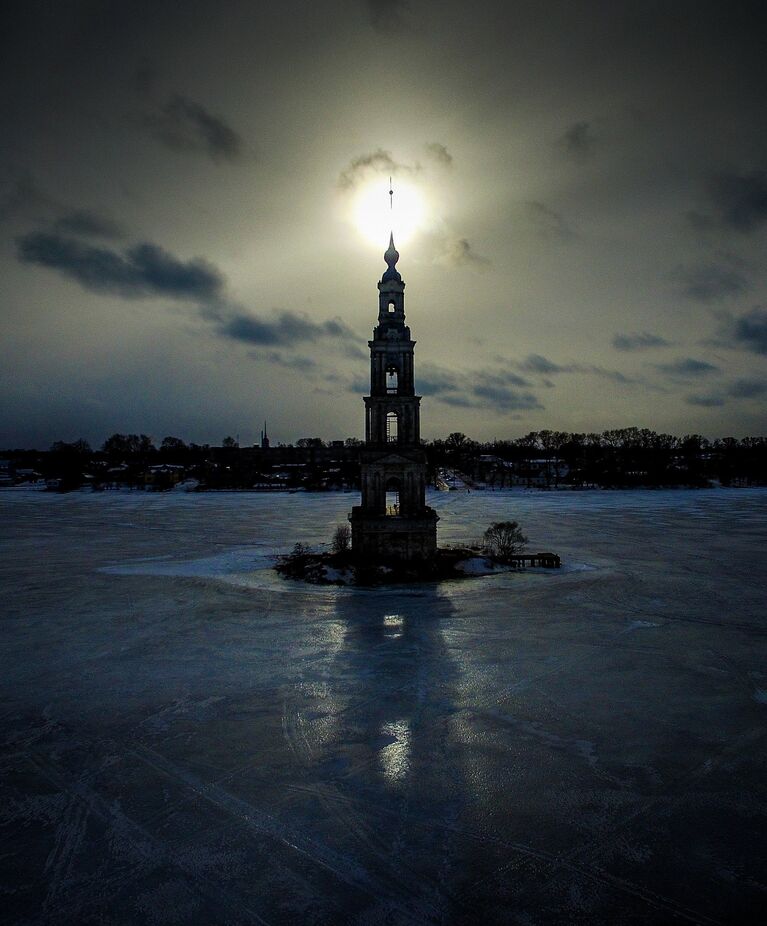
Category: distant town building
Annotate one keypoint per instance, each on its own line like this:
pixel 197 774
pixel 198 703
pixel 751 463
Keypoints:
pixel 264 439
pixel 393 520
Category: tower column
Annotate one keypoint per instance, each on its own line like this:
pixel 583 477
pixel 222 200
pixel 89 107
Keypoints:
pixel 407 531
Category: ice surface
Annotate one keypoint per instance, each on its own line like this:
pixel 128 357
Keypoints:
pixel 187 738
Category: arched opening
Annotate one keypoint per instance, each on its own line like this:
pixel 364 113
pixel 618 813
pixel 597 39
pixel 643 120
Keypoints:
pixel 391 380
pixel 392 498
pixel 392 427
pixel 392 305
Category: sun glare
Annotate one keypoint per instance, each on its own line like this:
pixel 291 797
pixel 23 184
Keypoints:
pixel 376 216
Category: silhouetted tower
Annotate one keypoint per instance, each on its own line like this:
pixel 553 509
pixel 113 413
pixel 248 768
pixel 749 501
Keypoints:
pixel 264 438
pixel 393 520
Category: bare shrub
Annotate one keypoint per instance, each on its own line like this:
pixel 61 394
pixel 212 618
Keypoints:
pixel 504 539
pixel 342 537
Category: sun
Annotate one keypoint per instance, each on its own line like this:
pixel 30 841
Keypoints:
pixel 376 214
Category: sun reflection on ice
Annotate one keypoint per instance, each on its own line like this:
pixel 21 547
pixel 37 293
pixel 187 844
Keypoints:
pixel 394 759
pixel 392 626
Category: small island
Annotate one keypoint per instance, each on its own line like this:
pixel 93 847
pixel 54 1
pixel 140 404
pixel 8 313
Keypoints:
pixel 501 551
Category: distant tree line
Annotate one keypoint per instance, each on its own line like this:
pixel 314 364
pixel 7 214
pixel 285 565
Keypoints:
pixel 620 458
pixel 135 460
pixel 617 458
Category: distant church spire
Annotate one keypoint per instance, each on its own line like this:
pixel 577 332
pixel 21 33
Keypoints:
pixel 264 438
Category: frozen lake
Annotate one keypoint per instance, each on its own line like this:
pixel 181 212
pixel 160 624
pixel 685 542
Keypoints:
pixel 188 739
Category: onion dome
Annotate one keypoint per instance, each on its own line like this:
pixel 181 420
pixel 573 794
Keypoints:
pixel 391 257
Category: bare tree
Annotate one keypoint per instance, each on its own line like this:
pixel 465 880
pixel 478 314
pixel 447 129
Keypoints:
pixel 172 445
pixel 504 539
pixel 341 538
pixel 457 440
pixel 122 445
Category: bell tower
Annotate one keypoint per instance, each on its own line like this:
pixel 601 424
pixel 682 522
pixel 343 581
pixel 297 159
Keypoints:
pixel 393 520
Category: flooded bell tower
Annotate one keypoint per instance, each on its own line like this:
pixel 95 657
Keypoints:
pixel 393 520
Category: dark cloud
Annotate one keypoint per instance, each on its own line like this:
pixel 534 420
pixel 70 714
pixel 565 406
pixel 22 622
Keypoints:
pixel 705 401
pixel 433 381
pixel 740 199
pixel 614 376
pixel 184 125
pixel 89 224
pixel 143 270
pixel 355 352
pixel 748 331
pixel 503 390
pixel 376 162
pixel 639 340
pixel 545 221
pixel 747 388
pixel 147 270
pixel 458 252
pixel 289 362
pixel 456 400
pixel 751 330
pixel 21 196
pixel 686 368
pixel 578 140
pixel 708 282
pixel 503 397
pixel 514 379
pixel 439 153
pixel 359 385
pixel 535 363
pixel 388 15
pixel 284 328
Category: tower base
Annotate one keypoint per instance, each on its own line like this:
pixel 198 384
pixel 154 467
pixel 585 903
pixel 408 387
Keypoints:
pixel 378 538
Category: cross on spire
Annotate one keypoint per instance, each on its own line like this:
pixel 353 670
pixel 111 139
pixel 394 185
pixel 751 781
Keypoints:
pixel 391 195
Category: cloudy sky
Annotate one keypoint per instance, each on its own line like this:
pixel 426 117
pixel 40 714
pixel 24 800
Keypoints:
pixel 181 252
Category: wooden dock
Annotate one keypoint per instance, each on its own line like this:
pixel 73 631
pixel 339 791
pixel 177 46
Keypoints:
pixel 546 560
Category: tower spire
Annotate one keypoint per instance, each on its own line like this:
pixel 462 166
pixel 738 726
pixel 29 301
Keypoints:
pixel 391 256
